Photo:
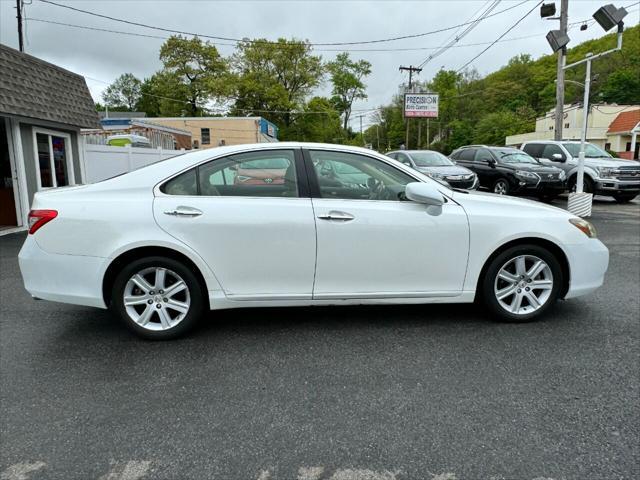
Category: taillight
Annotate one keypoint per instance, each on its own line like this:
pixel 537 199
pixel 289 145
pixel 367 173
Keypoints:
pixel 37 218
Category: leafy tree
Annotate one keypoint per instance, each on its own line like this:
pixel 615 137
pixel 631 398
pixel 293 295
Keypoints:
pixel 201 73
pixel 347 79
pixel 320 122
pixel 123 93
pixel 165 95
pixel 622 87
pixel 495 126
pixel 274 76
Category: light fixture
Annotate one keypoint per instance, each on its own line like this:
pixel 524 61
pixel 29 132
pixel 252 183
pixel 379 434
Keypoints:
pixel 609 16
pixel 547 10
pixel 557 39
pixel 584 26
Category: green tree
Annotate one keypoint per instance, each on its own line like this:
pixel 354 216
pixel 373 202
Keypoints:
pixel 164 95
pixel 123 93
pixel 347 79
pixel 319 122
pixel 274 77
pixel 494 127
pixel 622 87
pixel 201 73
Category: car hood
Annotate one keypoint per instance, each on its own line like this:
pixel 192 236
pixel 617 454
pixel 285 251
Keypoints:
pixel 504 202
pixel 445 170
pixel 532 167
pixel 610 162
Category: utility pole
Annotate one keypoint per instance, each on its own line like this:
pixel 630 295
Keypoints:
pixel 19 17
pixel 361 135
pixel 562 55
pixel 410 69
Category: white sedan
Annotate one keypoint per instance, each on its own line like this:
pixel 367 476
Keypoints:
pixel 298 224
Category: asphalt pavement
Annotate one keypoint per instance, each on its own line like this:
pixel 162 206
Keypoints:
pixel 358 393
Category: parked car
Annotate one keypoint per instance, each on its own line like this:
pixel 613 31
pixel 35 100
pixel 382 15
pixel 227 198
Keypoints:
pixel 438 166
pixel 509 171
pixel 603 174
pixel 161 244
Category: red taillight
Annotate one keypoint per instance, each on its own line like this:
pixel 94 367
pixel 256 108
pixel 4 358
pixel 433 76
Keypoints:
pixel 37 218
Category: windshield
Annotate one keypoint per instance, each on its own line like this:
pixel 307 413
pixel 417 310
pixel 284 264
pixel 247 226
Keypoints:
pixel 430 159
pixel 590 150
pixel 514 156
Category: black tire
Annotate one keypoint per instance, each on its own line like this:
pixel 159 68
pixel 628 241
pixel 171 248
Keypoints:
pixel 547 198
pixel 624 198
pixel 588 184
pixel 487 283
pixel 501 182
pixel 193 287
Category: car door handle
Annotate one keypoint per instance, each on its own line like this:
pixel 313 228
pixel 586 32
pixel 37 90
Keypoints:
pixel 184 212
pixel 335 215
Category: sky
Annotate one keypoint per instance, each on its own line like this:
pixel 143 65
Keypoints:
pixel 103 56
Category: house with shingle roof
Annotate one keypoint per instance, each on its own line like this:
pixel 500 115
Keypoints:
pixel 42 109
pixel 623 134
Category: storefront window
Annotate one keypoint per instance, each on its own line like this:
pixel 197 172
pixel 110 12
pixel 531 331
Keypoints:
pixel 54 159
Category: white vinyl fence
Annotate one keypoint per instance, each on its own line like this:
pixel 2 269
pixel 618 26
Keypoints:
pixel 103 161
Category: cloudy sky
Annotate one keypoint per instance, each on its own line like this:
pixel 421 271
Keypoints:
pixel 102 56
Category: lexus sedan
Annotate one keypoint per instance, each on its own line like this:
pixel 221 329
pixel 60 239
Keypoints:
pixel 162 244
pixel 436 165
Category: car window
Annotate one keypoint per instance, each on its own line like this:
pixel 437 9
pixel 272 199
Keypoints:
pixel 534 149
pixel 393 155
pixel 513 155
pixel 467 154
pixel 430 159
pixel 454 155
pixel 184 184
pixel 402 157
pixel 483 155
pixel 255 174
pixel 549 150
pixel 590 150
pixel 357 177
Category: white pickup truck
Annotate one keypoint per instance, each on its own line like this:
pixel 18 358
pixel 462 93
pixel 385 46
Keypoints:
pixel 603 174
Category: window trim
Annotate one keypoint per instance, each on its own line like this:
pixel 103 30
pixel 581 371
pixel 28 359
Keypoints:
pixel 301 175
pixel 69 151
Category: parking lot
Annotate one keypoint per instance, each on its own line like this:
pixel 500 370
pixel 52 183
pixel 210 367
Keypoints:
pixel 424 392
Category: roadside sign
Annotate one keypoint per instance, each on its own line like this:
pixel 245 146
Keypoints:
pixel 421 105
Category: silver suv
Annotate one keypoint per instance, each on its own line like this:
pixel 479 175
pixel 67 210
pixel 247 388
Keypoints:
pixel 603 174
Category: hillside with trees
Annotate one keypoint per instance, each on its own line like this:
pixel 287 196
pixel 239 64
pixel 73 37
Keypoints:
pixel 280 81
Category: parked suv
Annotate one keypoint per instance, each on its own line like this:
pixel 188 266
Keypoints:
pixel 603 174
pixel 438 166
pixel 505 170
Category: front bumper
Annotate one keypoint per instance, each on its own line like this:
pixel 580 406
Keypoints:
pixel 588 263
pixel 555 187
pixel 72 279
pixel 612 186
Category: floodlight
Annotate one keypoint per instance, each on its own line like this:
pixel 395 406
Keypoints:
pixel 547 10
pixel 609 16
pixel 557 39
pixel 583 27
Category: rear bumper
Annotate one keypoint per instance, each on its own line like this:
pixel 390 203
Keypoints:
pixel 61 278
pixel 588 263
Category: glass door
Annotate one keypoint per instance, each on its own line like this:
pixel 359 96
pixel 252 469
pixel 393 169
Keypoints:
pixel 53 158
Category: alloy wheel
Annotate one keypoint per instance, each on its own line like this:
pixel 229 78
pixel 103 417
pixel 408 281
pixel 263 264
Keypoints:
pixel 156 298
pixel 523 284
pixel 500 187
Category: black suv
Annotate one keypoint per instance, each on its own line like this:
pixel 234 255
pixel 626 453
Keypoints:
pixel 506 170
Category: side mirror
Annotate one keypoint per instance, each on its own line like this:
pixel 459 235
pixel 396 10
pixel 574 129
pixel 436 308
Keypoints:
pixel 492 162
pixel 423 193
pixel 557 157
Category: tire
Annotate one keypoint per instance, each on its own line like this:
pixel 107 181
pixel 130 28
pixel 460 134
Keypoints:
pixel 588 184
pixel 549 280
pixel 624 198
pixel 547 198
pixel 153 315
pixel 501 187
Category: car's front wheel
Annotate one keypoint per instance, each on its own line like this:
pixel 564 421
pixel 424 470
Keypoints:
pixel 522 283
pixel 158 298
pixel 501 187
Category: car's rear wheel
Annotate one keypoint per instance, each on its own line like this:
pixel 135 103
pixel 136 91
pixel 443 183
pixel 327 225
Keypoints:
pixel 522 283
pixel 624 198
pixel 158 298
pixel 501 187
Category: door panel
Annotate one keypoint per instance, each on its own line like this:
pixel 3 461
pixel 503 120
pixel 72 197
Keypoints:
pixel 244 215
pixel 390 247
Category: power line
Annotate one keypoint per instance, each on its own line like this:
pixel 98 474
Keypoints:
pixel 484 12
pixel 161 37
pixel 500 37
pixel 247 40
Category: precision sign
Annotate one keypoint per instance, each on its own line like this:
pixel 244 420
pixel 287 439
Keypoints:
pixel 421 105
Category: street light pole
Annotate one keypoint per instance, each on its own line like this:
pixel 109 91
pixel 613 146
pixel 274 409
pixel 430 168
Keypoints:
pixel 562 55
